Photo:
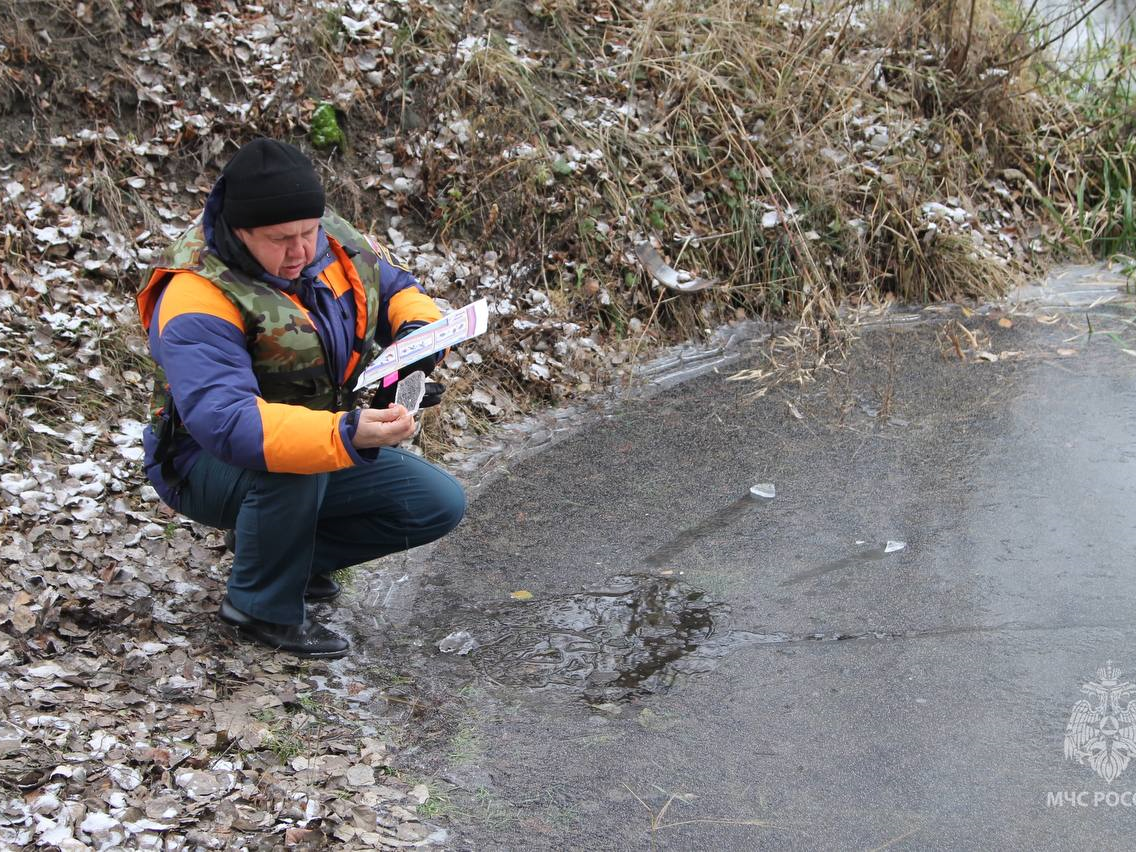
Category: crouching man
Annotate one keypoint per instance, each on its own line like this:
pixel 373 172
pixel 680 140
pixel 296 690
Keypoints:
pixel 260 318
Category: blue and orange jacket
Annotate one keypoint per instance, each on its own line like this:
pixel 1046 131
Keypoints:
pixel 220 361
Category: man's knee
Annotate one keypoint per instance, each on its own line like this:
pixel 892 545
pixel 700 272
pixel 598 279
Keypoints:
pixel 451 506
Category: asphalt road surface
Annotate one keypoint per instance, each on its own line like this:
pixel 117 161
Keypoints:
pixel 889 653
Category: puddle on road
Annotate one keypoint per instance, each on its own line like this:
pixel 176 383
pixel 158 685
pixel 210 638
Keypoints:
pixel 633 637
pixel 636 635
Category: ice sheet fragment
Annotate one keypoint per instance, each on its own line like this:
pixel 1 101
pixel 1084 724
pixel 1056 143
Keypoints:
pixel 410 391
pixel 459 642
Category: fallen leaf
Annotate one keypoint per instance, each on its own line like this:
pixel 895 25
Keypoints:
pixel 361 775
pixel 1006 322
pixel 296 836
pixel 23 619
pixel 521 595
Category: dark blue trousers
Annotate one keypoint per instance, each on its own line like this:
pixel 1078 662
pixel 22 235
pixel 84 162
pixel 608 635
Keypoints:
pixel 294 526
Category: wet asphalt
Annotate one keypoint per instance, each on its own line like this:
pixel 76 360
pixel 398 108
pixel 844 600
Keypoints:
pixel 701 669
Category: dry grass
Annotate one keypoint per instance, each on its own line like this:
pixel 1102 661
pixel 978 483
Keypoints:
pixel 707 117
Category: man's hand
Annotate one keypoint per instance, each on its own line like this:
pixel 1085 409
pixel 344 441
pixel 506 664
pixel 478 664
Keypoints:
pixel 383 427
pixel 384 396
pixel 433 394
pixel 423 365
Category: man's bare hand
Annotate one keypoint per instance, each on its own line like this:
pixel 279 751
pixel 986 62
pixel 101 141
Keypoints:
pixel 383 427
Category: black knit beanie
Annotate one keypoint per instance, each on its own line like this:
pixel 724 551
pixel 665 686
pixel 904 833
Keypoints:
pixel 268 182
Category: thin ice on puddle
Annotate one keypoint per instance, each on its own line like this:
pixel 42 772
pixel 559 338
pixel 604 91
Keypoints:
pixel 410 391
pixel 764 489
pixel 893 546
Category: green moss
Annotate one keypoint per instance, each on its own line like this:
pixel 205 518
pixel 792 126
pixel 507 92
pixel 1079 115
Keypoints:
pixel 326 132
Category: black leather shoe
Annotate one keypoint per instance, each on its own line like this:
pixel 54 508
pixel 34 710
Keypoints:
pixel 310 639
pixel 322 589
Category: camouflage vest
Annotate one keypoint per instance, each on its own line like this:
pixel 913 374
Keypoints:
pixel 287 357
